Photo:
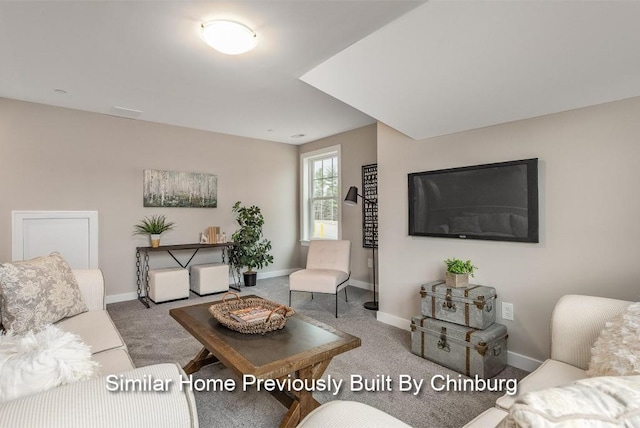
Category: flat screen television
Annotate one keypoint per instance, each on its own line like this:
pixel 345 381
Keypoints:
pixel 497 201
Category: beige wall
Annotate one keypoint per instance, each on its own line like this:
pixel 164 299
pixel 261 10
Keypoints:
pixel 589 209
pixel 60 159
pixel 358 148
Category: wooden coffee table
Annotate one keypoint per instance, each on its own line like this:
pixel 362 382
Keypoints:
pixel 303 349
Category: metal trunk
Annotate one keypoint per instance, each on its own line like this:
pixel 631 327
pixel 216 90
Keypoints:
pixel 466 350
pixel 474 306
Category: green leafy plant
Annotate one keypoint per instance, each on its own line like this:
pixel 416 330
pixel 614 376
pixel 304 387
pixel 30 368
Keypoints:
pixel 459 267
pixel 250 249
pixel 153 226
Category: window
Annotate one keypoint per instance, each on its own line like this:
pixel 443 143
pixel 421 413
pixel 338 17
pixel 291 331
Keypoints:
pixel 320 208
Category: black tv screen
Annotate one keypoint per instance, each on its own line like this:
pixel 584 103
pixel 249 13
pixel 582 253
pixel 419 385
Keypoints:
pixel 497 201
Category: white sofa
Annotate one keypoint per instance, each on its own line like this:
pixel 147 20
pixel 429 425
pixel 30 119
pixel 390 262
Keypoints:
pixel 90 403
pixel 576 323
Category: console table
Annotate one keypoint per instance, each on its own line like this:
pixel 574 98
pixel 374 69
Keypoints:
pixel 142 263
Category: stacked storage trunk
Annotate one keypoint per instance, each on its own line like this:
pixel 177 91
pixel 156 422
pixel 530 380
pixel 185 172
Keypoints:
pixel 457 329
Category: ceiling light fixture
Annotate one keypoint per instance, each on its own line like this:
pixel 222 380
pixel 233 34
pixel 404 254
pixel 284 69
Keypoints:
pixel 229 37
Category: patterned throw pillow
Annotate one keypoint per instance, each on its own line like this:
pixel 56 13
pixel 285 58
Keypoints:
pixel 37 292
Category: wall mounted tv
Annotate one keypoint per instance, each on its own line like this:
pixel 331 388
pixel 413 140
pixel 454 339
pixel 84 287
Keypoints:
pixel 497 201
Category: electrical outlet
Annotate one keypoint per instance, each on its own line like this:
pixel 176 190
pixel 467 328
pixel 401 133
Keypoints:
pixel 369 262
pixel 507 311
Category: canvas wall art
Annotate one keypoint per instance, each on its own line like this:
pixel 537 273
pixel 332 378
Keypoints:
pixel 370 211
pixel 180 189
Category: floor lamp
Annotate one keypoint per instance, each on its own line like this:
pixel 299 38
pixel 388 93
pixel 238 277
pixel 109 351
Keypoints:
pixel 352 199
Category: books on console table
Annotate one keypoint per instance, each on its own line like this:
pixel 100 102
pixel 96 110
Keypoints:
pixel 251 314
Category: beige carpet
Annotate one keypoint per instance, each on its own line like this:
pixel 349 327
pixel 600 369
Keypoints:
pixel 153 337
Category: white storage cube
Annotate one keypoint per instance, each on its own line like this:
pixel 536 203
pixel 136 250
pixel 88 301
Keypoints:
pixel 209 279
pixel 168 284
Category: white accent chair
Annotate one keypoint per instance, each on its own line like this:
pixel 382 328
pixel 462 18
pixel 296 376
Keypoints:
pixel 328 269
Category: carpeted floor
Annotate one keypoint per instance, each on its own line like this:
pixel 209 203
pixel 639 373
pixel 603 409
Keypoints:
pixel 154 337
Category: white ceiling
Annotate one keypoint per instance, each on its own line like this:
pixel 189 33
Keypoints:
pixel 451 66
pixel 148 55
pixel 424 69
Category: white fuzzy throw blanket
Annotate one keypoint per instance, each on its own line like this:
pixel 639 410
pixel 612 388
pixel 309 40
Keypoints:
pixel 39 361
pixel 617 350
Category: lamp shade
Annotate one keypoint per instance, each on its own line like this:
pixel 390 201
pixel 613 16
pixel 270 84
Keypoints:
pixel 352 196
pixel 229 37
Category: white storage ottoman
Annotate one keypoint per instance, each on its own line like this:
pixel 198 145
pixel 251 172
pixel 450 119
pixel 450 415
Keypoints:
pixel 168 284
pixel 209 279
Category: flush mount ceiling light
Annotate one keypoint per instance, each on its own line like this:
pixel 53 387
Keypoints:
pixel 229 37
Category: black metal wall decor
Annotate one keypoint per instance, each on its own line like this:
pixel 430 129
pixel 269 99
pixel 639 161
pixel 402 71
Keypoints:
pixel 370 206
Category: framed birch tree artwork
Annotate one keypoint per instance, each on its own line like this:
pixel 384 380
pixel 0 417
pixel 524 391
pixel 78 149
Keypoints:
pixel 180 189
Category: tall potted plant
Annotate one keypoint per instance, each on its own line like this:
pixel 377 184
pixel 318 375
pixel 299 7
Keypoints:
pixel 154 227
pixel 251 250
pixel 458 272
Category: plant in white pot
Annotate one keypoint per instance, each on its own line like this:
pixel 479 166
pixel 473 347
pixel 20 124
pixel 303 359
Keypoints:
pixel 458 272
pixel 250 250
pixel 154 227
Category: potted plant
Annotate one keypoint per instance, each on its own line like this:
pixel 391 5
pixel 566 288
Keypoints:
pixel 458 272
pixel 153 227
pixel 250 249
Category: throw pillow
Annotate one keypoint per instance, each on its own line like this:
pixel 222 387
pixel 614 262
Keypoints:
pixel 37 292
pixel 610 401
pixel 617 350
pixel 39 361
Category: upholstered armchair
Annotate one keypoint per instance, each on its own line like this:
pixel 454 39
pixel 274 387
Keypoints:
pixel 327 271
pixel 576 323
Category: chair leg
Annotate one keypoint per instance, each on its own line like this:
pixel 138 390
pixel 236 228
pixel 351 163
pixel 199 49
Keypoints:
pixel 346 298
pixel 311 296
pixel 336 305
pixel 289 297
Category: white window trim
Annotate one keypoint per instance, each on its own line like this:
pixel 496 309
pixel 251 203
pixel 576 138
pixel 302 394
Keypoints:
pixel 305 177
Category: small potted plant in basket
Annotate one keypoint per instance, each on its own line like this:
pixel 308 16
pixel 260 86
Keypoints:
pixel 458 272
pixel 153 227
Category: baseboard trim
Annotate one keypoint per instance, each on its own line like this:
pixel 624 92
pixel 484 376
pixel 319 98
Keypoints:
pixel 116 298
pixel 513 359
pixel 522 361
pixel 125 297
pixel 274 273
pixel 361 284
pixel 394 320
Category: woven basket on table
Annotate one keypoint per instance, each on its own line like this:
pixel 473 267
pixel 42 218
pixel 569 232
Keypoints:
pixel 275 321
